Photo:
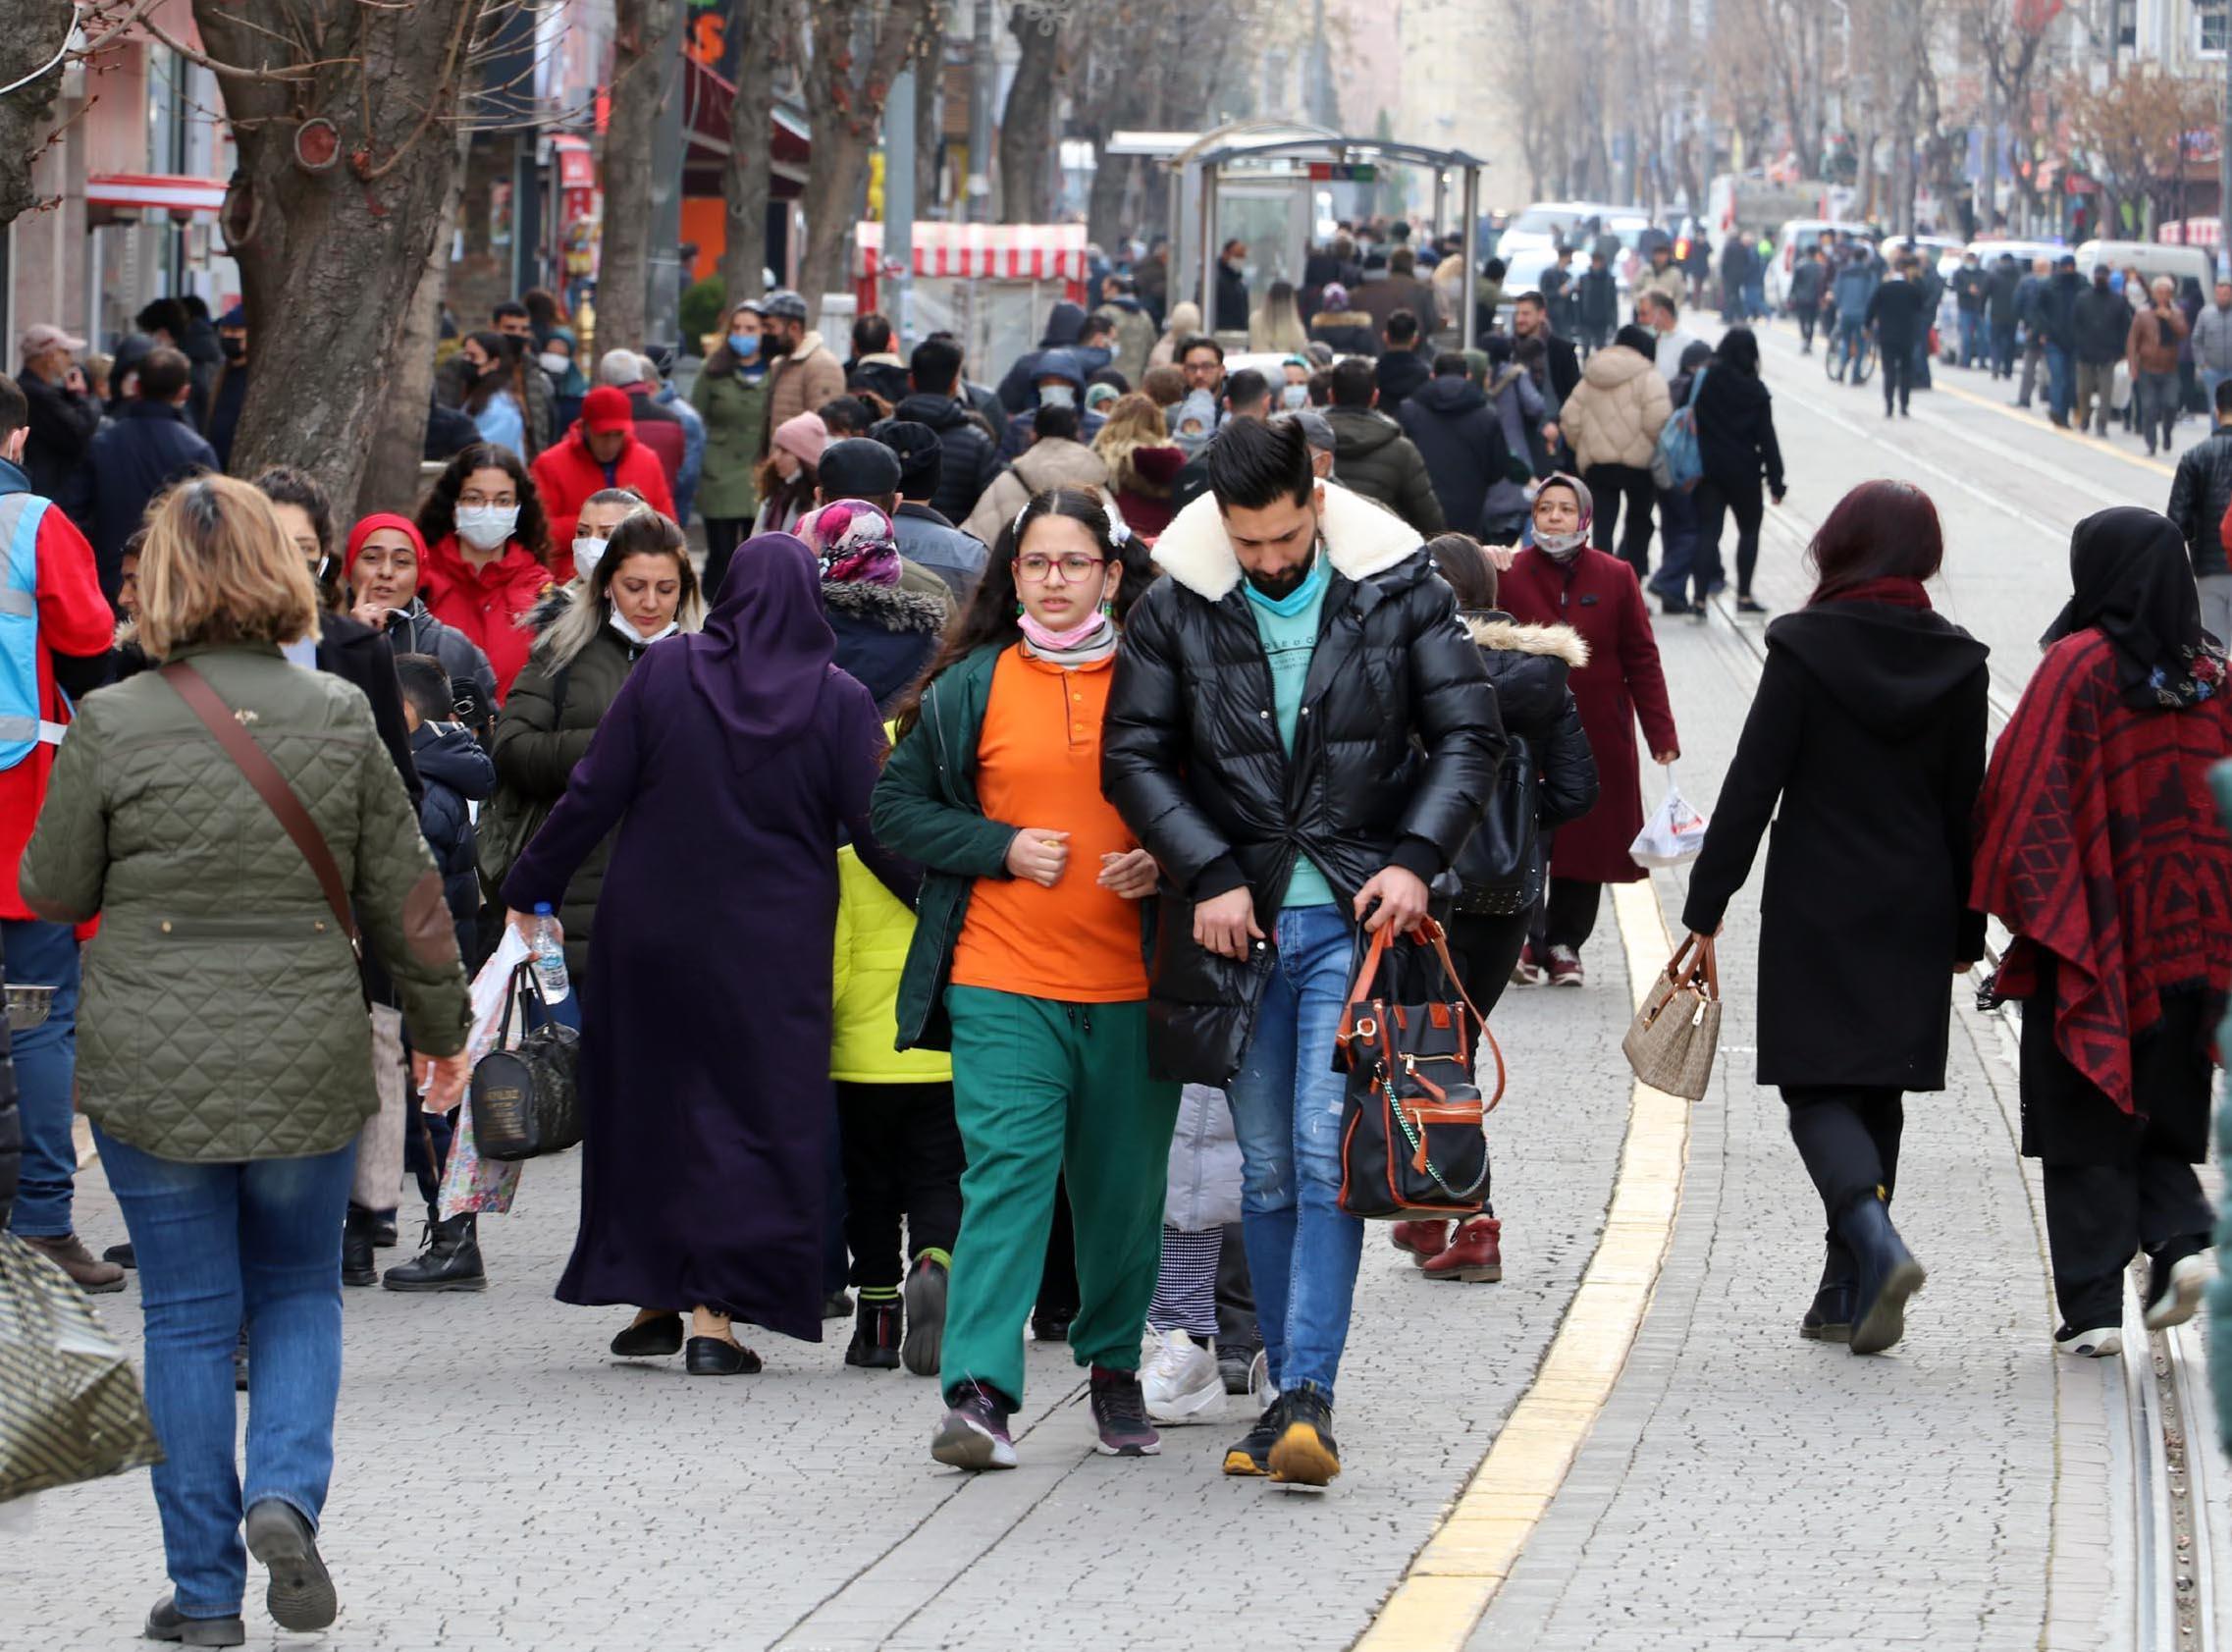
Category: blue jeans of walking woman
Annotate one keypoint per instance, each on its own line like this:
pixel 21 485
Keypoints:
pixel 218 1245
pixel 1303 1250
pixel 42 954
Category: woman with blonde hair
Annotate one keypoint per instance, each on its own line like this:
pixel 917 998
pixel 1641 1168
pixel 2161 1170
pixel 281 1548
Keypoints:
pixel 1185 323
pixel 1277 322
pixel 1142 463
pixel 233 819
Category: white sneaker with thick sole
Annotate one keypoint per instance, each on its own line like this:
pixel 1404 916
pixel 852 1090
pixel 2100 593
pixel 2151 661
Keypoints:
pixel 2180 1297
pixel 1181 1383
pixel 2100 1343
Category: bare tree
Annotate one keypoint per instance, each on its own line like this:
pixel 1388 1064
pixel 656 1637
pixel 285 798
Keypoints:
pixel 34 34
pixel 859 47
pixel 2134 130
pixel 642 32
pixel 391 471
pixel 342 113
pixel 746 183
pixel 1026 123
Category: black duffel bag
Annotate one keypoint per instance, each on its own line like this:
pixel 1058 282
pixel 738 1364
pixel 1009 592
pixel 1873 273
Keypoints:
pixel 527 1097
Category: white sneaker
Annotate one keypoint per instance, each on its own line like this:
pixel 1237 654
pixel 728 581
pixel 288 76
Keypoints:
pixel 1181 1381
pixel 2101 1343
pixel 1260 1388
pixel 2175 1292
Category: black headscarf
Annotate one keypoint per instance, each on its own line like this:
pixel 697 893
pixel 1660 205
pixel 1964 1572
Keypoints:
pixel 2134 583
pixel 766 648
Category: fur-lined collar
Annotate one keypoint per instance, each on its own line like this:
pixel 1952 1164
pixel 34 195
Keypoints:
pixel 1360 540
pixel 1500 631
pixel 887 606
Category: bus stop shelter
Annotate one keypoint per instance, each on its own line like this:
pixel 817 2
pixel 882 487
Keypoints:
pixel 1238 179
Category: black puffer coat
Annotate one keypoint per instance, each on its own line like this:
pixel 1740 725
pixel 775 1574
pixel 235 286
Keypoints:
pixel 1396 751
pixel 1462 440
pixel 1529 666
pixel 971 453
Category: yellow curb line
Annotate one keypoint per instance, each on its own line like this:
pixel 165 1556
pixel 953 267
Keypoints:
pixel 2092 445
pixel 1452 1580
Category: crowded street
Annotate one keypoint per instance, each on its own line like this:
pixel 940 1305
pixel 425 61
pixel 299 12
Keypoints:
pixel 1622 1443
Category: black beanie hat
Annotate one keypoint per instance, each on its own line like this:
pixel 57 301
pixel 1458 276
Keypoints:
pixel 922 456
pixel 856 468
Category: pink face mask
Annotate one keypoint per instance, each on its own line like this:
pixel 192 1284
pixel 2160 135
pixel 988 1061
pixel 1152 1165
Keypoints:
pixel 1045 641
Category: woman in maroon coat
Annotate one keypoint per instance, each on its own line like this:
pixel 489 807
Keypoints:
pixel 1562 581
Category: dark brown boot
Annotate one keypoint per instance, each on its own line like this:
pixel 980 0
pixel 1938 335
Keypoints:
pixel 68 1253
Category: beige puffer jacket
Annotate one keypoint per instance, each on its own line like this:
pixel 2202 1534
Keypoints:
pixel 1615 413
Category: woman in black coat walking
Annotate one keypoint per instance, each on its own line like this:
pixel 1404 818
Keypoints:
pixel 1869 730
pixel 1735 441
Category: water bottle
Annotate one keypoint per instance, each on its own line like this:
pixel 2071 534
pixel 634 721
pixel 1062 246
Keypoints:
pixel 549 952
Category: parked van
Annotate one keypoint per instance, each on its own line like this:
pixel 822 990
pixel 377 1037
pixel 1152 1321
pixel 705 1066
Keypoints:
pixel 1796 235
pixel 2152 258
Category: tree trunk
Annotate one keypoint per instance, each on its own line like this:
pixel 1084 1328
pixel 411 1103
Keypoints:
pixel 31 32
pixel 859 47
pixel 1027 124
pixel 623 266
pixel 391 474
pixel 929 117
pixel 745 181
pixel 1105 205
pixel 329 260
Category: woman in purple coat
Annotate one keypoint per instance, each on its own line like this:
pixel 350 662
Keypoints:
pixel 732 763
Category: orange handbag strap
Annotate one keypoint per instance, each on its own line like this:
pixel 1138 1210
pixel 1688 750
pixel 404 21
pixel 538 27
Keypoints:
pixel 1433 935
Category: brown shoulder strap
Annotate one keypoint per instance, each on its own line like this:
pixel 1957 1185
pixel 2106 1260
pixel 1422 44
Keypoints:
pixel 271 785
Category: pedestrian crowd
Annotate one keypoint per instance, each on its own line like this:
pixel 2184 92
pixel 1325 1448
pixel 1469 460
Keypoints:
pixel 1034 768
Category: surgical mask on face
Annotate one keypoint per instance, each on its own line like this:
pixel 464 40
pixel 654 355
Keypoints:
pixel 553 363
pixel 487 527
pixel 1294 396
pixel 745 345
pixel 1057 395
pixel 587 553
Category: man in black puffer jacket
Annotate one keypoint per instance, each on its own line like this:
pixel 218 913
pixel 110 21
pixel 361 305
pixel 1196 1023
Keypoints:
pixel 1462 440
pixel 1304 735
pixel 972 452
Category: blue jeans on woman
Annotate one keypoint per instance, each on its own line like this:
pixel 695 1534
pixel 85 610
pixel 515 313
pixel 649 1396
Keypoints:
pixel 40 954
pixel 1303 1251
pixel 217 1245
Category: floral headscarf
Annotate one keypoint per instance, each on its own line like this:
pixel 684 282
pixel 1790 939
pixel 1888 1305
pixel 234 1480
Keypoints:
pixel 853 540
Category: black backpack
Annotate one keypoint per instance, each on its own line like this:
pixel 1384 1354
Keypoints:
pixel 1501 863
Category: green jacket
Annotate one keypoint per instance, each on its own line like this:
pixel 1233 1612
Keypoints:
pixel 222 1018
pixel 925 808
pixel 736 411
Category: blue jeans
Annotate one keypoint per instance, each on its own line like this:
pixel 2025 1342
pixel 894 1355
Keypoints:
pixel 1678 535
pixel 46 1069
pixel 1973 348
pixel 217 1245
pixel 2062 384
pixel 1850 342
pixel 1286 1109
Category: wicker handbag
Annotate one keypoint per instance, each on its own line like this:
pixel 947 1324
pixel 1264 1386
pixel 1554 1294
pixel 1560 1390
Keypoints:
pixel 70 1402
pixel 1670 1045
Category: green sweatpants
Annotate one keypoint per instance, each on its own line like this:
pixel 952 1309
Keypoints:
pixel 1039 1090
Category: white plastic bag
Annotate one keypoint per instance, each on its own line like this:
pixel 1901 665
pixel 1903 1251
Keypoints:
pixel 471 1183
pixel 1674 834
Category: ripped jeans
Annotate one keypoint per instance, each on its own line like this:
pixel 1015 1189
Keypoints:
pixel 1286 1109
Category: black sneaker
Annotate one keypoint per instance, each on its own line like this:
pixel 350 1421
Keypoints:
pixel 1120 1412
pixel 1305 1454
pixel 1050 1326
pixel 2175 1277
pixel 924 1343
pixel 1235 1363
pixel 875 1336
pixel 166 1622
pixel 973 1433
pixel 1251 1457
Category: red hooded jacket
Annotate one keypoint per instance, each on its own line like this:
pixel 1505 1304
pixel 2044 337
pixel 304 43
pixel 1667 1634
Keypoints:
pixel 491 606
pixel 567 473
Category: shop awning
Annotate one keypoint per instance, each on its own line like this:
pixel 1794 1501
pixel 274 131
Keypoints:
pixel 983 251
pixel 164 191
pixel 707 100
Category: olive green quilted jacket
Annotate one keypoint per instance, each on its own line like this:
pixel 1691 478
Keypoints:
pixel 222 1018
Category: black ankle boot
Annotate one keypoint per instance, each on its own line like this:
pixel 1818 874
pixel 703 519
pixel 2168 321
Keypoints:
pixel 1888 1274
pixel 450 1262
pixel 875 1336
pixel 357 1247
pixel 1830 1319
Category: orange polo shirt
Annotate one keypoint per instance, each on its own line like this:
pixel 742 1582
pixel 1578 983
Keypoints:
pixel 1038 765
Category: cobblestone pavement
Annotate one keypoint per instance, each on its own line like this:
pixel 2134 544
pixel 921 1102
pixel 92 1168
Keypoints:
pixel 501 1484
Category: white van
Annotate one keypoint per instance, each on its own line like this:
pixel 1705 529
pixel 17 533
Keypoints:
pixel 2152 258
pixel 1796 237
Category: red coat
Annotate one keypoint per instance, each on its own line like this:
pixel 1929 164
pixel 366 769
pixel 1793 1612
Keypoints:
pixel 76 620
pixel 1597 594
pixel 491 606
pixel 567 473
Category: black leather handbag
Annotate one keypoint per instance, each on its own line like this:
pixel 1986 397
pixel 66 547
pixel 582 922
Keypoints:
pixel 527 1097
pixel 1501 863
pixel 1413 1141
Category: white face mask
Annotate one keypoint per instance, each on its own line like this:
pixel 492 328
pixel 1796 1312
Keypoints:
pixel 1057 395
pixel 587 553
pixel 1294 396
pixel 553 363
pixel 487 527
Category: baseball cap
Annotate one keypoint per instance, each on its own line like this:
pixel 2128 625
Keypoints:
pixel 858 467
pixel 37 341
pixel 922 456
pixel 783 304
pixel 607 408
pixel 1317 428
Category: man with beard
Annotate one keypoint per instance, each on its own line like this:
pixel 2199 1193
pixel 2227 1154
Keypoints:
pixel 1304 736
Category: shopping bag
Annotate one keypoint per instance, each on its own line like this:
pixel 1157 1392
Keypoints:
pixel 470 1184
pixel 1673 834
pixel 380 1145
pixel 69 1403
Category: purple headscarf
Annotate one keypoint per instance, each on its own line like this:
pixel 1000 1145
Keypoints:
pixel 855 542
pixel 766 648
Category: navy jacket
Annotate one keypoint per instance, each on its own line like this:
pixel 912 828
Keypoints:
pixel 149 446
pixel 456 771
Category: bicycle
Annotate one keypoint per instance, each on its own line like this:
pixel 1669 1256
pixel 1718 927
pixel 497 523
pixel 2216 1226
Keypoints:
pixel 1851 359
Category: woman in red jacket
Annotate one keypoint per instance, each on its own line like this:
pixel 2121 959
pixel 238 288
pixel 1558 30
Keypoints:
pixel 1561 581
pixel 488 554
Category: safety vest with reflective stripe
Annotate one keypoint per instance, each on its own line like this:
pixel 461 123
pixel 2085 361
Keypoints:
pixel 22 728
